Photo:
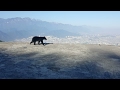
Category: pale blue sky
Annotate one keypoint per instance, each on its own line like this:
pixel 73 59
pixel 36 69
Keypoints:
pixel 110 19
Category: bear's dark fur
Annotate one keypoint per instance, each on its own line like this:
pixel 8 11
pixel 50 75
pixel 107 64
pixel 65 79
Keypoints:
pixel 39 39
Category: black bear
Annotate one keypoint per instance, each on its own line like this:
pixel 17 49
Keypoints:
pixel 39 39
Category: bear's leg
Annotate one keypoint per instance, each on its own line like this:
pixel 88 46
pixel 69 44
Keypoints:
pixel 31 42
pixel 39 42
pixel 34 43
pixel 42 42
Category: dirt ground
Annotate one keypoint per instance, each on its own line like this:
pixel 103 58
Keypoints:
pixel 20 60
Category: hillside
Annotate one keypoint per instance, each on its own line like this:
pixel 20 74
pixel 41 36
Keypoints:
pixel 20 60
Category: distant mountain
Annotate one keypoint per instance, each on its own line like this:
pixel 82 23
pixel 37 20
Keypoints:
pixel 5 37
pixel 17 28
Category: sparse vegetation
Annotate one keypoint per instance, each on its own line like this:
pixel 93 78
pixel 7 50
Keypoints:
pixel 20 60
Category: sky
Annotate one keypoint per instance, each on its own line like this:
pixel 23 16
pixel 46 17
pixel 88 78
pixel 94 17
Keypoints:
pixel 107 19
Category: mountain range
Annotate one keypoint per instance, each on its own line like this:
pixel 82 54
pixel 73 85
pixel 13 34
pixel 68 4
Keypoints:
pixel 18 28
